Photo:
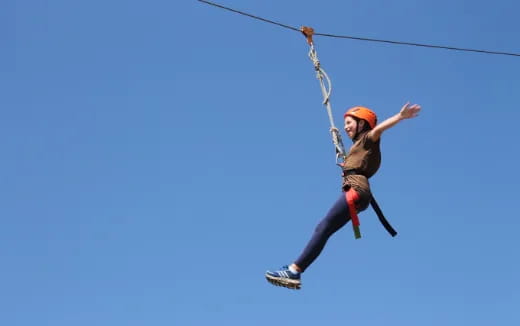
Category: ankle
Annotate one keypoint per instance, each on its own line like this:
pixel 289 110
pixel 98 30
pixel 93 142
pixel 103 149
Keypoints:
pixel 294 267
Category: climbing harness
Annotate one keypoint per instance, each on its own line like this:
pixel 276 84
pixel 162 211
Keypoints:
pixel 351 195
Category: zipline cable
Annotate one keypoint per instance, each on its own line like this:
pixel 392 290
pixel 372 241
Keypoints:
pixel 362 38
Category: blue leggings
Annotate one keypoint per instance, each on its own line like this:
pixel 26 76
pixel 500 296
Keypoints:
pixel 335 219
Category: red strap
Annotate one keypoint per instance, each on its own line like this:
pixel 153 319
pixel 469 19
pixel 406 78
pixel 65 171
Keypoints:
pixel 352 196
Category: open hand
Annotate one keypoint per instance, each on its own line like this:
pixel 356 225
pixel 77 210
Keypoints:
pixel 409 111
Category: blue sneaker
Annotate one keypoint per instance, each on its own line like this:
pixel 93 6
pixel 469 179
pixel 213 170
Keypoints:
pixel 284 277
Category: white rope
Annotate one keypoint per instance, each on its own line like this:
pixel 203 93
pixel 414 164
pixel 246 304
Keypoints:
pixel 326 90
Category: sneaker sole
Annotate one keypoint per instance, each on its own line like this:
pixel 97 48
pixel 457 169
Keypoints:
pixel 287 283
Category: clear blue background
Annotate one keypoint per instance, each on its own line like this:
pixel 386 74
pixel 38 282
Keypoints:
pixel 159 156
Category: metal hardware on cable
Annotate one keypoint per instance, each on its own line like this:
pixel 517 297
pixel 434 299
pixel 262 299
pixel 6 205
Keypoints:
pixel 326 90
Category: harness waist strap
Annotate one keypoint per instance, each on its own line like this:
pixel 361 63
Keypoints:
pixel 351 172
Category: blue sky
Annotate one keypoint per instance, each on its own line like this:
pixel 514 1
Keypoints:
pixel 159 156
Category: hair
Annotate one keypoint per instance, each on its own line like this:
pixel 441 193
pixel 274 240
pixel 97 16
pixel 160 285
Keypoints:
pixel 366 127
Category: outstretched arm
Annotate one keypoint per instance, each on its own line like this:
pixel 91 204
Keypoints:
pixel 407 112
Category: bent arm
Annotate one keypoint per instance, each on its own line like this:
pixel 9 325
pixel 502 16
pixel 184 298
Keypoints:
pixel 407 112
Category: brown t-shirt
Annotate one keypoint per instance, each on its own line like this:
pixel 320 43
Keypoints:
pixel 364 157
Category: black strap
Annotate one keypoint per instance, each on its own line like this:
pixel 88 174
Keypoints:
pixel 382 218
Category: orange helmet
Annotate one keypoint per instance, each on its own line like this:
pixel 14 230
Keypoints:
pixel 363 113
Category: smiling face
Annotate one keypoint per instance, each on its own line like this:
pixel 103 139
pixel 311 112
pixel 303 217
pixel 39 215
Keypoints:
pixel 352 126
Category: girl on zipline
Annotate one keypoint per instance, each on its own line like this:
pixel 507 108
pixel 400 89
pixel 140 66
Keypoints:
pixel 361 163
